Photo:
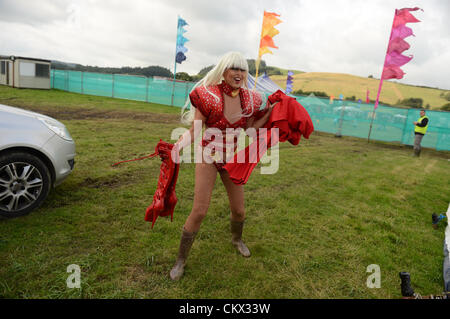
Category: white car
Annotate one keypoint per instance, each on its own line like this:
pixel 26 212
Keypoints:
pixel 36 154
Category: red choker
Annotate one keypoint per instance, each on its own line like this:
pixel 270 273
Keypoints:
pixel 228 90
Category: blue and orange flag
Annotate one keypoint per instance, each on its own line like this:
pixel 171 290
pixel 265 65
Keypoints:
pixel 181 40
pixel 268 31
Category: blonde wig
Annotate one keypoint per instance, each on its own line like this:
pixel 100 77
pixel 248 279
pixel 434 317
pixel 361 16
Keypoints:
pixel 214 77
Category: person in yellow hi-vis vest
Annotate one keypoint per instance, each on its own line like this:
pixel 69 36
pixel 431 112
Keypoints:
pixel 421 126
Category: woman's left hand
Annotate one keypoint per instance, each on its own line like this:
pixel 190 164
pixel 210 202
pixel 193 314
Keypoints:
pixel 270 106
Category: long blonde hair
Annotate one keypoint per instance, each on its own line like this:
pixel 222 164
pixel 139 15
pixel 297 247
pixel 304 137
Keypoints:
pixel 214 77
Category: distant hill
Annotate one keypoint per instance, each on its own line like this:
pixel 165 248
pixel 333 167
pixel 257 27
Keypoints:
pixel 273 70
pixel 64 65
pixel 351 85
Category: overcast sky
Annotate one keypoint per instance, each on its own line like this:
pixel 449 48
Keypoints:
pixel 343 36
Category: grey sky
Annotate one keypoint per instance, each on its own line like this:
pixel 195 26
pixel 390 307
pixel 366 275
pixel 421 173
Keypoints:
pixel 344 36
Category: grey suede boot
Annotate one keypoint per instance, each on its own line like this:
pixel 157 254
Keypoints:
pixel 187 239
pixel 236 238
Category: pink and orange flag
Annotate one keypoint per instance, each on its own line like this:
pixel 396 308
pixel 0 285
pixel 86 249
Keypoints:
pixel 394 57
pixel 397 45
pixel 268 31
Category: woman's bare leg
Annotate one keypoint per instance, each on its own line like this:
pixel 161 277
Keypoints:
pixel 205 177
pixel 236 198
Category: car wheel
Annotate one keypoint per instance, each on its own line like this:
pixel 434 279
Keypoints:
pixel 24 183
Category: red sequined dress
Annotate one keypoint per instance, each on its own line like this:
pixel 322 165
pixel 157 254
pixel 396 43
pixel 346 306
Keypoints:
pixel 213 109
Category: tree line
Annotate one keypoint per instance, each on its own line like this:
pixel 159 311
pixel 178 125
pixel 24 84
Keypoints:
pixel 156 70
pixel 148 71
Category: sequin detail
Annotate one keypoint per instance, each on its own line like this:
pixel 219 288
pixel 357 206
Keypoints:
pixel 210 102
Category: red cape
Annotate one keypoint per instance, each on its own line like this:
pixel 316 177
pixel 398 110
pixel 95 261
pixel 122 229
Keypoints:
pixel 292 121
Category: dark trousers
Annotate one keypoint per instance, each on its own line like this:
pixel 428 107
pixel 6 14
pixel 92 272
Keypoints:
pixel 417 140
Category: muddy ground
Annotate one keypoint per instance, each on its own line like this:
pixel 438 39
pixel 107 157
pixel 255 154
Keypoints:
pixel 87 114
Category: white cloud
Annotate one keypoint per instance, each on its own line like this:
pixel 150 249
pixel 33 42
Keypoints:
pixel 346 36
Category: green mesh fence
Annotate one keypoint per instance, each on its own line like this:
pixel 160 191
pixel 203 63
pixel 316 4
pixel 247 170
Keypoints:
pixel 347 118
pixel 390 124
pixel 155 90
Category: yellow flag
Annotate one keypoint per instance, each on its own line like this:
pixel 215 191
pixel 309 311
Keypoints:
pixel 264 51
pixel 268 31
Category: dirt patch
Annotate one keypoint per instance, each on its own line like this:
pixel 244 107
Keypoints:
pixel 86 114
pixel 109 182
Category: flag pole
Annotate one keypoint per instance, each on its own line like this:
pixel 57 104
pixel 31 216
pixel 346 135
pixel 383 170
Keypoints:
pixel 256 72
pixel 175 66
pixel 173 82
pixel 176 43
pixel 381 80
pixel 376 105
pixel 258 60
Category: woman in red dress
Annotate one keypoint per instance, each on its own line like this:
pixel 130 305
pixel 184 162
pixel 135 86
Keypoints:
pixel 221 100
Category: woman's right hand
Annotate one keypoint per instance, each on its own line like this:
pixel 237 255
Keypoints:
pixel 175 153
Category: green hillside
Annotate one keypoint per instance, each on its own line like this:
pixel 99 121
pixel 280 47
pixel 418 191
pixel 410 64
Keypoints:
pixel 351 85
pixel 273 70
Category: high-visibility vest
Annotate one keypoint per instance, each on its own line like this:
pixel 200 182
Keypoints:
pixel 421 130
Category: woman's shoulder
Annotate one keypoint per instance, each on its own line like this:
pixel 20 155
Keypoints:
pixel 204 98
pixel 255 96
pixel 204 90
pixel 205 93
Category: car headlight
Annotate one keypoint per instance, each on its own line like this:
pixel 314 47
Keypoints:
pixel 57 127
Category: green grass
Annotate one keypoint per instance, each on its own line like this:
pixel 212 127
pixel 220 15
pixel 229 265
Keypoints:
pixel 334 207
pixel 48 100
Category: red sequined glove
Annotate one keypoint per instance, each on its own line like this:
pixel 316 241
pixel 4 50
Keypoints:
pixel 164 199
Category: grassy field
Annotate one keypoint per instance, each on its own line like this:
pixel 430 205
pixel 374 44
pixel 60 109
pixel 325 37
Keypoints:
pixel 351 85
pixel 334 207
